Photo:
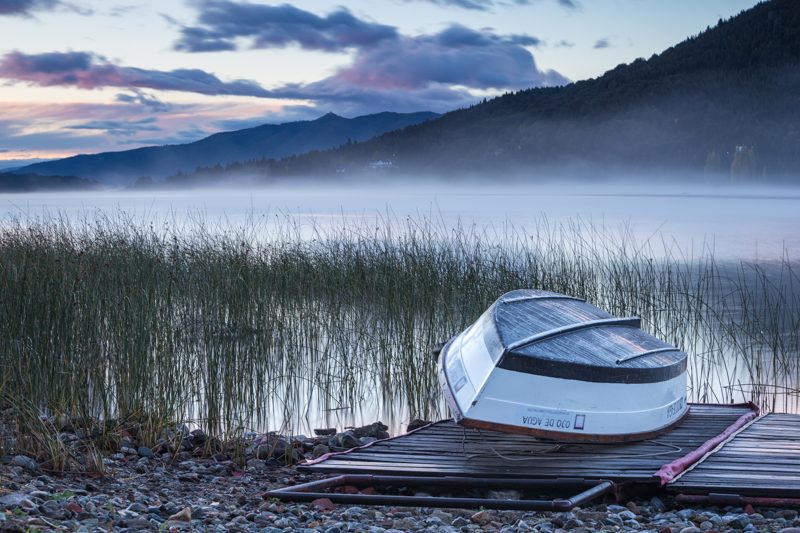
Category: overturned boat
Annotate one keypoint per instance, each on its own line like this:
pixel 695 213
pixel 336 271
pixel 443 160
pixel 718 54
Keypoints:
pixel 553 366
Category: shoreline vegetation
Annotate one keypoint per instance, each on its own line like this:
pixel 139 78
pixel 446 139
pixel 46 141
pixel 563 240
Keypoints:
pixel 107 322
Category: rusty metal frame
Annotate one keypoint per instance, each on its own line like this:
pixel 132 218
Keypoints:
pixel 721 499
pixel 588 491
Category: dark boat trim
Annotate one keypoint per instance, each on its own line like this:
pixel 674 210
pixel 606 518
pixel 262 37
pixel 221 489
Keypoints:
pixel 572 437
pixel 592 373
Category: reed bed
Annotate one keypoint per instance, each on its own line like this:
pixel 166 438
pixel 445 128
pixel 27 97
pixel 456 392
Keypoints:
pixel 286 326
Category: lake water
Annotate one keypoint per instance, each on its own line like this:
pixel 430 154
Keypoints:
pixel 750 223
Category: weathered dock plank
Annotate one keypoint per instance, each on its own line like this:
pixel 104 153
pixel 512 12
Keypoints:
pixel 762 460
pixel 447 449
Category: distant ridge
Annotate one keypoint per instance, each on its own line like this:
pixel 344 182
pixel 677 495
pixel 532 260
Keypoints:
pixel 261 142
pixel 10 182
pixel 723 102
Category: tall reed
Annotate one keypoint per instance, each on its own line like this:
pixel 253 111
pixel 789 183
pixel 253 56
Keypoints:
pixel 283 325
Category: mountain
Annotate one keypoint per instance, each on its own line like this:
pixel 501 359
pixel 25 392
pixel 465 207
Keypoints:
pixel 15 164
pixel 10 182
pixel 725 101
pixel 261 142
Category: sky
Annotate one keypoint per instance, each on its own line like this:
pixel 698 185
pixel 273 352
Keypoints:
pixel 88 76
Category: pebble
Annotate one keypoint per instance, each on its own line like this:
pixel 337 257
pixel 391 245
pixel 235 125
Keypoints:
pixel 481 518
pixel 184 515
pixel 183 490
pixel 144 451
pixel 319 450
pixel 25 462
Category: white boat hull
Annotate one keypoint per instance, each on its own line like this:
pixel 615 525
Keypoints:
pixel 481 395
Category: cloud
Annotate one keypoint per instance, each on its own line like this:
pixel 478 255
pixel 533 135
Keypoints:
pixel 600 44
pixel 140 97
pixel 222 22
pixel 85 70
pixel 486 5
pixel 569 4
pixel 434 72
pixel 25 7
pixel 119 128
pixel 455 56
pixel 63 129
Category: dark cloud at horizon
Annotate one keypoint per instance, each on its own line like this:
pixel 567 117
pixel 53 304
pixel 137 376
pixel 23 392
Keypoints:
pixel 486 5
pixel 86 70
pixel 222 22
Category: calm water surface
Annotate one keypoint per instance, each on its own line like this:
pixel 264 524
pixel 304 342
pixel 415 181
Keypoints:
pixel 750 223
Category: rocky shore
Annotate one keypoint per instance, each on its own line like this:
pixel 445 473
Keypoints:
pixel 193 483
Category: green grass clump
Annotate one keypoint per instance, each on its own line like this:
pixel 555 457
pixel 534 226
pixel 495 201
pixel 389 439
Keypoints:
pixel 282 326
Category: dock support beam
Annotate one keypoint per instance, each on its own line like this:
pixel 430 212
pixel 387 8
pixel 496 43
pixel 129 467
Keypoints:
pixel 307 492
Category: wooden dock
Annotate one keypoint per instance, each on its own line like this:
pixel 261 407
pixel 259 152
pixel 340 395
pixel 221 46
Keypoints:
pixel 447 449
pixel 762 460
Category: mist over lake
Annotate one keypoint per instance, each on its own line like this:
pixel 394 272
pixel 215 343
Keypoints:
pixel 752 223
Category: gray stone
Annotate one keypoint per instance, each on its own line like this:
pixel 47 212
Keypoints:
pixel 278 449
pixel 348 440
pixel 319 450
pixel 612 520
pixel 25 462
pixel 460 521
pixel 523 526
pixel 353 512
pixel 256 464
pixel 445 517
pixel 52 509
pixel 657 504
pixel 144 451
pixel 739 522
pixel 572 523
pixel 15 499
